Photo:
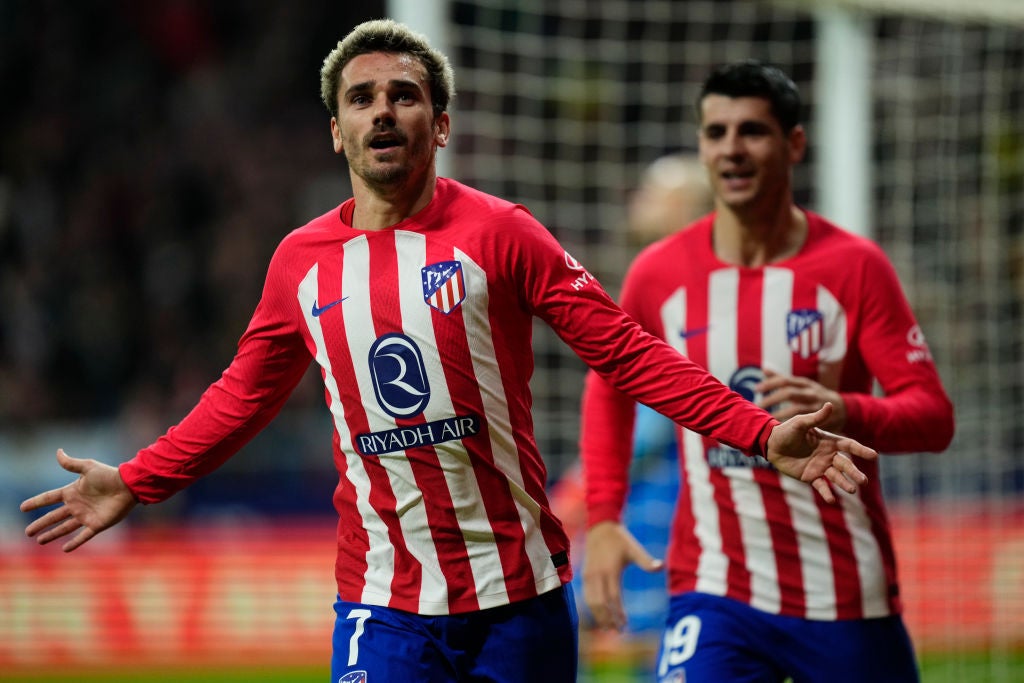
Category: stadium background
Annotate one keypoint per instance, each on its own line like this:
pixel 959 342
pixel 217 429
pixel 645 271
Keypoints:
pixel 152 154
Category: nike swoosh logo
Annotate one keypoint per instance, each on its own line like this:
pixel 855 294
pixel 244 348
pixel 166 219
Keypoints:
pixel 318 310
pixel 697 331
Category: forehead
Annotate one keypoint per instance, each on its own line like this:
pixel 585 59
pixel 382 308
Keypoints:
pixel 721 109
pixel 382 67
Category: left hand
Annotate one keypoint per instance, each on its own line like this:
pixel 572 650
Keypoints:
pixel 800 448
pixel 785 396
pixel 97 500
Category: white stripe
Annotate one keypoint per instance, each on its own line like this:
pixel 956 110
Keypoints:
pixel 815 556
pixel 377 582
pixel 776 303
pixel 758 548
pixel 723 301
pixel 712 565
pixel 874 587
pixel 833 327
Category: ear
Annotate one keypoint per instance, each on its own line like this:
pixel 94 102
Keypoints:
pixel 797 144
pixel 338 141
pixel 444 129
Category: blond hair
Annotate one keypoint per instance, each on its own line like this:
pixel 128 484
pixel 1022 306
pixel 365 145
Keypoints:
pixel 385 35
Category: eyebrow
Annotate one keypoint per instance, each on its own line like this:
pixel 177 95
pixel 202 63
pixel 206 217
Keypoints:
pixel 396 83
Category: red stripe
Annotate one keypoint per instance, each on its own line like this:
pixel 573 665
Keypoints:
pixel 464 390
pixel 353 541
pixel 845 573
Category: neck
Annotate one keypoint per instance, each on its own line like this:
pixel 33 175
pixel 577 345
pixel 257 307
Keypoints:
pixel 379 206
pixel 755 241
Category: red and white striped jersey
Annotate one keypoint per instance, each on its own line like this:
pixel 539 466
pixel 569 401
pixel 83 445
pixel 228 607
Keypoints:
pixel 423 335
pixel 835 313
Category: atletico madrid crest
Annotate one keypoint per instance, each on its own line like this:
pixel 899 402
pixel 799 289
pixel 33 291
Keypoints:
pixel 444 286
pixel 805 329
pixel 353 677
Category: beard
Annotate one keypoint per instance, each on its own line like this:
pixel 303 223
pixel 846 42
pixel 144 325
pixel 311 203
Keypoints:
pixel 388 169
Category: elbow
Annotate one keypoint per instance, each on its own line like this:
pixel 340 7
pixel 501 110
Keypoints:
pixel 941 429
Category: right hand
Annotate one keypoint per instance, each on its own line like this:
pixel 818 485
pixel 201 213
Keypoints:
pixel 96 501
pixel 610 548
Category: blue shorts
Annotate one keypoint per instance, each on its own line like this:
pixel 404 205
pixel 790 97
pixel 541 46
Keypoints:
pixel 710 638
pixel 526 642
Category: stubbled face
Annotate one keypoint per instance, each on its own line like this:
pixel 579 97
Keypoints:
pixel 748 156
pixel 385 124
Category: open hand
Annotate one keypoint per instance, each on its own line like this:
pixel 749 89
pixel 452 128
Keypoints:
pixel 97 500
pixel 799 448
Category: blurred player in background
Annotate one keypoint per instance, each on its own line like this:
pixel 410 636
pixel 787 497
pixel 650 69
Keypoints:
pixel 673 190
pixel 416 298
pixel 766 582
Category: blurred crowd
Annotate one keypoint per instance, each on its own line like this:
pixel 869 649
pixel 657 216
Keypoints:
pixel 151 156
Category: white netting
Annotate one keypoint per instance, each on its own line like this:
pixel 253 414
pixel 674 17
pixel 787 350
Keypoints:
pixel 561 105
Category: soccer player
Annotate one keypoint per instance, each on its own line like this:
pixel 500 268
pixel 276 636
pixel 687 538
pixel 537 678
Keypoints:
pixel 415 297
pixel 792 312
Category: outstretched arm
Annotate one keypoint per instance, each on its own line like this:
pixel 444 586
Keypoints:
pixel 96 501
pixel 801 449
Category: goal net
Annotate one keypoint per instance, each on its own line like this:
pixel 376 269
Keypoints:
pixel 561 105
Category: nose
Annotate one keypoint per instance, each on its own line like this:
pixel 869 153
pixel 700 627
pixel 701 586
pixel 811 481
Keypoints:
pixel 732 144
pixel 383 110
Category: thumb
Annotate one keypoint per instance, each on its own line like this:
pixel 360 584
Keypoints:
pixel 68 463
pixel 643 559
pixel 824 412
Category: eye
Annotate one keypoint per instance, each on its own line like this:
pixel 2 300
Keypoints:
pixel 714 132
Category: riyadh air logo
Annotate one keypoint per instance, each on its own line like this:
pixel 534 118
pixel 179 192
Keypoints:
pixel 400 383
pixel 353 677
pixel 444 286
pixel 919 352
pixel 399 376
pixel 805 331
pixel 584 278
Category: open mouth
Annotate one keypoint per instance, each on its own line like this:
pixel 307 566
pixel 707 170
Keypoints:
pixel 385 142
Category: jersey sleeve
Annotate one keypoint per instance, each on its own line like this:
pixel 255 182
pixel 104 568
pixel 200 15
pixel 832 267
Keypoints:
pixel 914 413
pixel 270 361
pixel 634 363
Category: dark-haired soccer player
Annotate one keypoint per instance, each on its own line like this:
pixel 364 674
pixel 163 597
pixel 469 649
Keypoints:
pixel 766 580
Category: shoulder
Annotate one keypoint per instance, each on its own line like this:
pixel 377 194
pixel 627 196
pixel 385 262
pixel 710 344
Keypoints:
pixel 839 241
pixel 452 193
pixel 484 219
